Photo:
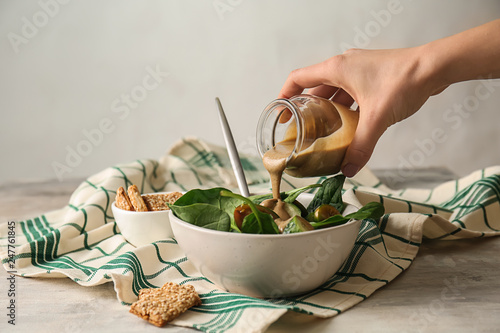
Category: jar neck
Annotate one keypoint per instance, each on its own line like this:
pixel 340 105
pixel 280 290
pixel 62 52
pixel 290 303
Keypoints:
pixel 277 108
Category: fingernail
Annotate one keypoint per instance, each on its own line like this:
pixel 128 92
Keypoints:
pixel 350 170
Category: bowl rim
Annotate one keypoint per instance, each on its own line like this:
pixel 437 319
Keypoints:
pixel 174 219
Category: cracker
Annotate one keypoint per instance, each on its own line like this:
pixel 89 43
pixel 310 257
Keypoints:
pixel 159 201
pixel 136 199
pixel 122 200
pixel 161 305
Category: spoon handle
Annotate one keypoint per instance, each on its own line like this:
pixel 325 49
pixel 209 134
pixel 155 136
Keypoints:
pixel 234 157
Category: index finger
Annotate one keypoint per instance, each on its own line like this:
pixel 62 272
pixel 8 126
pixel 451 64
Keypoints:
pixel 302 78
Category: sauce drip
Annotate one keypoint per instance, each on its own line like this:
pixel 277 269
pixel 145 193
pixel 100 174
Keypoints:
pixel 275 163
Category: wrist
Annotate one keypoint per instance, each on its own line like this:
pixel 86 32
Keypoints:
pixel 433 68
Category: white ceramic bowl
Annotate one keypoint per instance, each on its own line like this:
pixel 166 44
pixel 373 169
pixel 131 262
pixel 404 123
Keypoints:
pixel 142 228
pixel 267 265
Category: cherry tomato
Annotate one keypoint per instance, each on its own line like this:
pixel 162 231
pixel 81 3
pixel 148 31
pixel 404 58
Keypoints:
pixel 324 211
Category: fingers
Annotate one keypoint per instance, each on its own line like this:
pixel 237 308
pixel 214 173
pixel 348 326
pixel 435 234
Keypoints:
pixel 285 116
pixel 361 148
pixel 300 79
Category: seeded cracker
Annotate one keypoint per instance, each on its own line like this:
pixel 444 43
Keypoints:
pixel 136 199
pixel 156 202
pixel 122 200
pixel 161 305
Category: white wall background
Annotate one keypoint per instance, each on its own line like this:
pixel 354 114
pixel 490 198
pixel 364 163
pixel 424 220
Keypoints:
pixel 67 66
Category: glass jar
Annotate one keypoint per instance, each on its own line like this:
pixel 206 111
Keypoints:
pixel 313 133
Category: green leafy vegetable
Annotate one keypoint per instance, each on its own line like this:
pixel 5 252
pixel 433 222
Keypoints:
pixel 192 204
pixel 372 210
pixel 297 224
pixel 203 215
pixel 330 222
pixel 210 196
pixel 215 209
pixel 329 193
pixel 242 211
pixel 258 198
pixel 292 195
pixel 257 222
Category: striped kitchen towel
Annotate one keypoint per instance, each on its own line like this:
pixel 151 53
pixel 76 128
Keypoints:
pixel 81 240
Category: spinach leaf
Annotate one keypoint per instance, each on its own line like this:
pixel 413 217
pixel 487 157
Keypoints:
pixel 258 198
pixel 203 215
pixel 257 222
pixel 210 197
pixel 372 210
pixel 329 193
pixel 260 223
pixel 330 222
pixel 228 205
pixel 297 224
pixel 292 195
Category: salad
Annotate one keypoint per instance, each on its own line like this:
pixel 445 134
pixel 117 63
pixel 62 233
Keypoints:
pixel 220 209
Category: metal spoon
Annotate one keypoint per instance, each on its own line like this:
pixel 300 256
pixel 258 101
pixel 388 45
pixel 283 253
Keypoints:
pixel 234 157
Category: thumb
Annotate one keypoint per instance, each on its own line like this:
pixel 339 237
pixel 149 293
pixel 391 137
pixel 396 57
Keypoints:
pixel 361 148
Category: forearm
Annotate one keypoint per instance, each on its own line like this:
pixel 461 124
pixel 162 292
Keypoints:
pixel 391 85
pixel 469 55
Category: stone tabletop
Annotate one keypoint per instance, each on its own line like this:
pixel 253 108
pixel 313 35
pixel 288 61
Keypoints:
pixel 452 286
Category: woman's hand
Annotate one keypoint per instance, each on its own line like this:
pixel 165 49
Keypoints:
pixel 391 85
pixel 388 86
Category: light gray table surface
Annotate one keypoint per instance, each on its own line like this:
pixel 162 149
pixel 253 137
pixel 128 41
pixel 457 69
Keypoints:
pixel 452 286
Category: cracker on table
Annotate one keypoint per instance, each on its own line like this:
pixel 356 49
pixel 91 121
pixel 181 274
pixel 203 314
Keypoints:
pixel 161 305
pixel 136 199
pixel 122 200
pixel 158 201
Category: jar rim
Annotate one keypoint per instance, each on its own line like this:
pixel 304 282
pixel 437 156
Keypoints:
pixel 288 104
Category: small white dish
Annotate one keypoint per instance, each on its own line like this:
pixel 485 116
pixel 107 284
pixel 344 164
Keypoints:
pixel 142 228
pixel 267 265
